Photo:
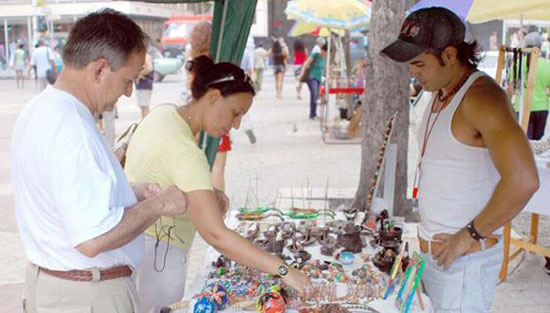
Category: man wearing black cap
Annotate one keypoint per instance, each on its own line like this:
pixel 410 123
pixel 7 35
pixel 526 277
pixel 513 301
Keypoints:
pixel 475 170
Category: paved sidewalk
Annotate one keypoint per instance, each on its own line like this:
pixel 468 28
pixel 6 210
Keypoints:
pixel 288 153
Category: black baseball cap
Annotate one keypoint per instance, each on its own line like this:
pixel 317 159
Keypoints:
pixel 427 28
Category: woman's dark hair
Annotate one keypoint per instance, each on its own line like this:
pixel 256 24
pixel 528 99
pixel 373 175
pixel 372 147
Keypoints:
pixel 226 77
pixel 276 48
pixel 299 45
pixel 466 52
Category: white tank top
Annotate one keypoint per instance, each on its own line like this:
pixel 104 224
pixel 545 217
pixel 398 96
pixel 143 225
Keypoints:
pixel 457 180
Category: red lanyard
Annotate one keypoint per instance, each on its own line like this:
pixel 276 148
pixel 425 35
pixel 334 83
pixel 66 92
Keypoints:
pixel 429 127
pixel 427 133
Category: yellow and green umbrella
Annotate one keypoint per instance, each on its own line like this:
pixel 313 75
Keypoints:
pixel 332 14
pixel 301 28
pixel 479 11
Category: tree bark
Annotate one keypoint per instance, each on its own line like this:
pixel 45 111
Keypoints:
pixel 387 91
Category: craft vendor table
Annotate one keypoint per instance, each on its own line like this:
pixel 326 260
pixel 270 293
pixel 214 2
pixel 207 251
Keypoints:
pixel 409 235
pixel 539 204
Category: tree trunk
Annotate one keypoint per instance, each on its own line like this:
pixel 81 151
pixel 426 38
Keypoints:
pixel 386 91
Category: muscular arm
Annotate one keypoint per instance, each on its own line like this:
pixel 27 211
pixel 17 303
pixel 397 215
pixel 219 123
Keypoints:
pixel 489 113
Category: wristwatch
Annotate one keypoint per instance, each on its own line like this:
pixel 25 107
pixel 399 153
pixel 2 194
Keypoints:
pixel 282 270
pixel 473 232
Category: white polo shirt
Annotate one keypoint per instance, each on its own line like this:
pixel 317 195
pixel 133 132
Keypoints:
pixel 68 185
pixel 41 57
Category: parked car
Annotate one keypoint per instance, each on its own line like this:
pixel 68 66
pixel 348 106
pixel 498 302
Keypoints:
pixel 164 66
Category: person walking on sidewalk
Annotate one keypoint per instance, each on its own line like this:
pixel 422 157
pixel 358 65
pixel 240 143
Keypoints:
pixel 144 83
pixel 540 103
pixel 247 65
pixel 42 58
pixel 316 65
pixel 20 63
pixel 476 170
pixel 79 219
pixel 280 59
pixel 260 55
pixel 300 55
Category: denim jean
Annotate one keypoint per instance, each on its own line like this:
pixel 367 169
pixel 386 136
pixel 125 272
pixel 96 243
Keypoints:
pixel 468 286
pixel 313 85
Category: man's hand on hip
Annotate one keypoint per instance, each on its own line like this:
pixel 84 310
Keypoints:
pixel 452 246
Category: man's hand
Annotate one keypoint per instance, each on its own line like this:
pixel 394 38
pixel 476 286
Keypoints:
pixel 145 191
pixel 452 246
pixel 223 201
pixel 172 201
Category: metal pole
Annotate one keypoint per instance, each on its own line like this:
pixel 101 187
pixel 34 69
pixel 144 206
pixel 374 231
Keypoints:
pixel 504 31
pixel 327 71
pixel 29 33
pixel 74 10
pixel 6 40
pixel 52 31
pixel 521 31
pixel 34 23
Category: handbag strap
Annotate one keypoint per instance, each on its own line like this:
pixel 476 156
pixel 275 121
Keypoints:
pixel 133 127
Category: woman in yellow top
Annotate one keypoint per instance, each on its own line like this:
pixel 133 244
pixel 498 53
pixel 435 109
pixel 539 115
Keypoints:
pixel 163 150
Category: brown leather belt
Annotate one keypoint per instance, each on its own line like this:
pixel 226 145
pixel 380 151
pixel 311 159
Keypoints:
pixel 87 275
pixel 436 245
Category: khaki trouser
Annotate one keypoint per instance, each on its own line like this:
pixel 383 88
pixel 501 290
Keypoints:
pixel 49 294
pixel 258 78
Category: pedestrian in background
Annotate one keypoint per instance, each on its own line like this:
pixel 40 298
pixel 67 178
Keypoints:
pixel 316 65
pixel 42 58
pixel 144 83
pixel 20 63
pixel 300 54
pixel 247 65
pixel 280 59
pixel 540 104
pixel 260 54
